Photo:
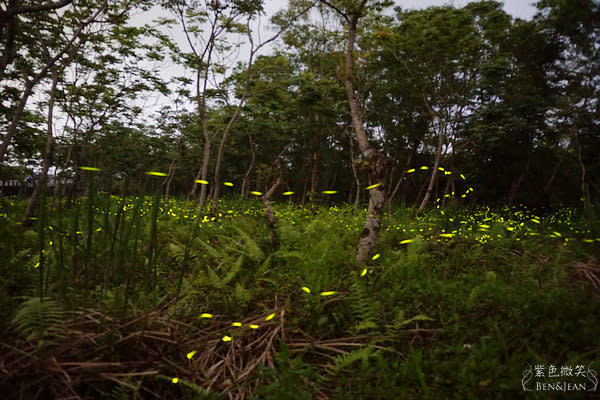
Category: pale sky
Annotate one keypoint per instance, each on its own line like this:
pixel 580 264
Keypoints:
pixel 518 8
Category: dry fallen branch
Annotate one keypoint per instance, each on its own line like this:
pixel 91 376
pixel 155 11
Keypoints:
pixel 589 270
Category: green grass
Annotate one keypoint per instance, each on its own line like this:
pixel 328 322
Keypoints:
pixel 457 305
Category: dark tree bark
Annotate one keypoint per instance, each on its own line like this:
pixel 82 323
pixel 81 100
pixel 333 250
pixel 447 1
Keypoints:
pixel 516 185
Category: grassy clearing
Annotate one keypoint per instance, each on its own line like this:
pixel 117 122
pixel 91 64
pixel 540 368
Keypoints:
pixel 146 298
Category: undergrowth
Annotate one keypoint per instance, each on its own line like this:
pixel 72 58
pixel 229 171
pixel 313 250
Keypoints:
pixel 134 298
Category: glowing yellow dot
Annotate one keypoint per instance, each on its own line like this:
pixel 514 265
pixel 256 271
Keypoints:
pixel 410 171
pixel 206 315
pixel 307 290
pixel 288 193
pixel 376 256
pixel 191 354
pixel 328 293
pixel 236 324
pixel 252 326
pixel 374 186
pixel 228 184
pixel 364 272
pixel 154 173
pixel 89 168
pixel 226 338
pixel 406 241
pixel 256 193
pixel 201 181
pixel 270 317
pixel 329 191
pixel 175 380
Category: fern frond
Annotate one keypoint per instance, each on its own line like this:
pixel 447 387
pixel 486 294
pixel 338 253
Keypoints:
pixel 37 317
pixel 400 322
pixel 345 360
pixel 364 310
pixel 233 271
pixel 211 250
pixel 250 248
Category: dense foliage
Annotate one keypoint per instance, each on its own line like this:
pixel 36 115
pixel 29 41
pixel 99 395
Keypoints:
pixel 513 103
pixel 182 216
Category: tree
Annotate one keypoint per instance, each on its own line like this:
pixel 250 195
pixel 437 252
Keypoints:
pixel 9 26
pixel 351 12
pixel 70 26
pixel 574 27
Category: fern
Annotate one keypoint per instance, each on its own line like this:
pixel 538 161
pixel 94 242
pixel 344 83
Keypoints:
pixel 218 282
pixel 266 265
pixel 364 310
pixel 253 249
pixel 37 318
pixel 233 271
pixel 242 295
pixel 400 322
pixel 213 278
pixel 212 250
pixel 345 360
pixel 176 250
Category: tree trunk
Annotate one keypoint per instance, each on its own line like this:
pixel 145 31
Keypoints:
pixel 402 176
pixel 204 170
pixel 446 190
pixel 581 164
pixel 246 181
pixel 269 213
pixel 354 173
pixel 201 109
pixel 217 178
pixel 303 199
pixel 553 176
pixel 514 189
pixel 202 173
pixel 170 176
pixel 438 157
pixel 42 182
pixel 313 175
pixel 376 161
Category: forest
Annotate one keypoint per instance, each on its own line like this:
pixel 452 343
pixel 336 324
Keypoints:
pixel 334 199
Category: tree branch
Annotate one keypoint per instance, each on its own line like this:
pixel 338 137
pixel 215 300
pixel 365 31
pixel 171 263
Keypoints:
pixel 8 14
